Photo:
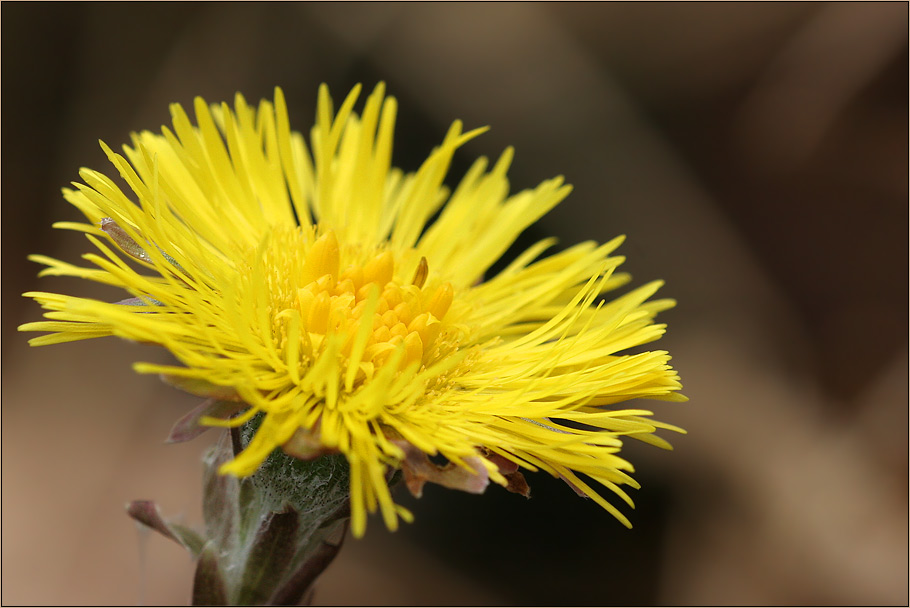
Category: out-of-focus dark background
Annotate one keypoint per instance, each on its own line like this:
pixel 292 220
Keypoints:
pixel 756 155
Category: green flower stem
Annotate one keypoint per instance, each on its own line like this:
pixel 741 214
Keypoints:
pixel 268 536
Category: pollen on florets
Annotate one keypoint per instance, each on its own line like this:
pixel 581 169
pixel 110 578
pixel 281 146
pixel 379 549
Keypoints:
pixel 319 289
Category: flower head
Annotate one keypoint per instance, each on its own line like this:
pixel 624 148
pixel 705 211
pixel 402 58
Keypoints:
pixel 313 286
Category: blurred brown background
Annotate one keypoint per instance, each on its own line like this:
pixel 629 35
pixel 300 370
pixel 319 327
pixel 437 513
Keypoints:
pixel 755 155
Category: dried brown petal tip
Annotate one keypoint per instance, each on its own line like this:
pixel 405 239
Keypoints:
pixel 578 490
pixel 515 481
pixel 189 427
pixel 123 240
pixel 145 301
pixel 506 466
pixel 517 484
pixel 418 469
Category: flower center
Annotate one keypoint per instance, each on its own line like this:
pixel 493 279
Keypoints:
pixel 355 299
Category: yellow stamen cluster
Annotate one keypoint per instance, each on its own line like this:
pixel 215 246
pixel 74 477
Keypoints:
pixel 364 303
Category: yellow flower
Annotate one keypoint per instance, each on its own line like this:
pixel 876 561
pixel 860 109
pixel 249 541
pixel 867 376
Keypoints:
pixel 314 286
